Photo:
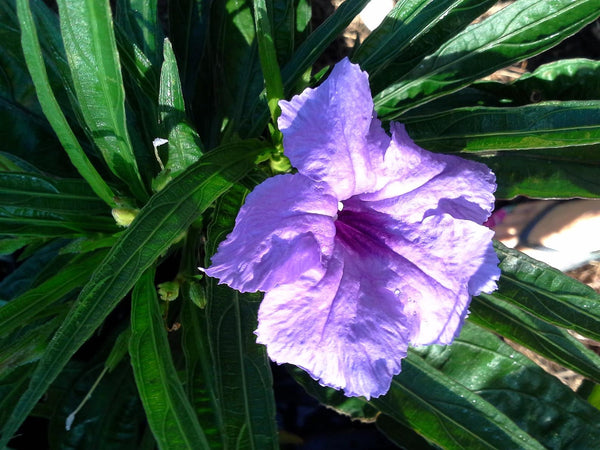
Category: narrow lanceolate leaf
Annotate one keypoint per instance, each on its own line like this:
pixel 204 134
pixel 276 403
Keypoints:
pixel 547 293
pixel 566 79
pixel 546 173
pixel 413 29
pixel 543 407
pixel 170 415
pixel 89 39
pixel 316 43
pixel 446 413
pixel 241 371
pixel 184 143
pixel 552 342
pixel 486 130
pixel 268 56
pixel 51 108
pixel 166 216
pixel 522 29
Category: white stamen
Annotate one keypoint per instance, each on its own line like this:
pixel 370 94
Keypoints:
pixel 157 143
pixel 340 206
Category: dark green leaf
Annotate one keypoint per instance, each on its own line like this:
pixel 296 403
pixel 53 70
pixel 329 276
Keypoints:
pixel 51 108
pixel 88 35
pixel 486 130
pixel 547 293
pixel 242 375
pixel 522 29
pixel 263 16
pixel 411 31
pixel 535 400
pixel 402 436
pixel 543 338
pixel 170 415
pixel 162 221
pixel 36 302
pixel 447 413
pixel 184 143
pixel 567 79
pixel 548 173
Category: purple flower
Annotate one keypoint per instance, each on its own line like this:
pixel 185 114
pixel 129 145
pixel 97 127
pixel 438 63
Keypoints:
pixel 374 245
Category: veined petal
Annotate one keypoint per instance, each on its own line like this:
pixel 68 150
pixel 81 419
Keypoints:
pixel 282 234
pixel 331 133
pixel 348 330
pixel 416 183
pixel 446 261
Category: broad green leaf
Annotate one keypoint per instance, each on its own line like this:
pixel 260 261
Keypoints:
pixel 547 293
pixel 184 143
pixel 89 40
pixel 486 129
pixel 170 415
pixel 36 302
pixel 51 108
pixel 411 31
pixel 11 245
pixel 543 338
pixel 567 79
pixel 140 20
pixel 242 375
pixel 546 173
pixel 522 29
pixel 263 17
pixel 538 402
pixel 446 413
pixel 162 221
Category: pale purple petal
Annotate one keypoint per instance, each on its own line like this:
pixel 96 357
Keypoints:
pixel 348 331
pixel 416 183
pixel 331 133
pixel 282 234
pixel 450 261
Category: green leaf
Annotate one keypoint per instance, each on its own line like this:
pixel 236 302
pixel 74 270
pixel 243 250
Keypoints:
pixel 548 173
pixel 447 413
pixel 89 39
pixel 241 371
pixel 488 129
pixel 307 53
pixel 162 221
pixel 38 301
pixel 51 108
pixel 111 418
pixel 547 293
pixel 411 31
pixel 170 415
pixel 539 403
pixel 188 30
pixel 543 338
pixel 399 434
pixel 263 17
pixel 12 386
pixel 522 29
pixel 567 79
pixel 184 143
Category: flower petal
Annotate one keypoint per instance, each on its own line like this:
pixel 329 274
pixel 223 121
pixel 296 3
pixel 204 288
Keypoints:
pixel 281 235
pixel 331 133
pixel 415 183
pixel 348 331
pixel 450 261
